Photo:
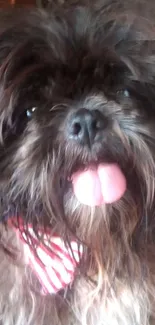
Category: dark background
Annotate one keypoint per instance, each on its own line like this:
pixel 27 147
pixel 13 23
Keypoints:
pixel 6 3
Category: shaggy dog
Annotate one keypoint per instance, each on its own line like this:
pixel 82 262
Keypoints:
pixel 77 103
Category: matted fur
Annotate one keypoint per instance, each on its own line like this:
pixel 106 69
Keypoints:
pixel 97 55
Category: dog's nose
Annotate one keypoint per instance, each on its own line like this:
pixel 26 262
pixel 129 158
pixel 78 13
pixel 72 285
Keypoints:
pixel 85 126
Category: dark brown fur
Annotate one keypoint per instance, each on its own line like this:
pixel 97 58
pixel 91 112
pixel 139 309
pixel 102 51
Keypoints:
pixel 99 56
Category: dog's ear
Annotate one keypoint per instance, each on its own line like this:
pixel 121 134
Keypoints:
pixel 134 43
pixel 130 35
pixel 6 110
pixel 19 39
pixel 8 95
pixel 139 58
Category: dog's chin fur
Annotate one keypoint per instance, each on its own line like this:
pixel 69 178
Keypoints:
pixel 99 56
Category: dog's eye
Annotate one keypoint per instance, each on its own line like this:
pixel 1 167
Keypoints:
pixel 30 112
pixel 123 93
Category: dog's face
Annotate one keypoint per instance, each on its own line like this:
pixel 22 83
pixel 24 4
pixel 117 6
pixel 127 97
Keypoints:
pixel 59 77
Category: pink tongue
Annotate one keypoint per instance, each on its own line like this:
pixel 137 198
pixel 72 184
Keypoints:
pixel 93 187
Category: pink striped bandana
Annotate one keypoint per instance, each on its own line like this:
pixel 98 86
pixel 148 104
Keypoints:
pixel 54 267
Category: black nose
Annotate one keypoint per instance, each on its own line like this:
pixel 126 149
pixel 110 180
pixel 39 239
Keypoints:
pixel 85 126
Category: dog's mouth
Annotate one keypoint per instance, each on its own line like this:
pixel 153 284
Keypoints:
pixel 97 185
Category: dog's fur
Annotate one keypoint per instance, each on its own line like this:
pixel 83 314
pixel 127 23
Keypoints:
pixel 99 56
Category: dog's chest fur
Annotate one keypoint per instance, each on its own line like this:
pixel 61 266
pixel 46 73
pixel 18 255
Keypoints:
pixel 25 305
